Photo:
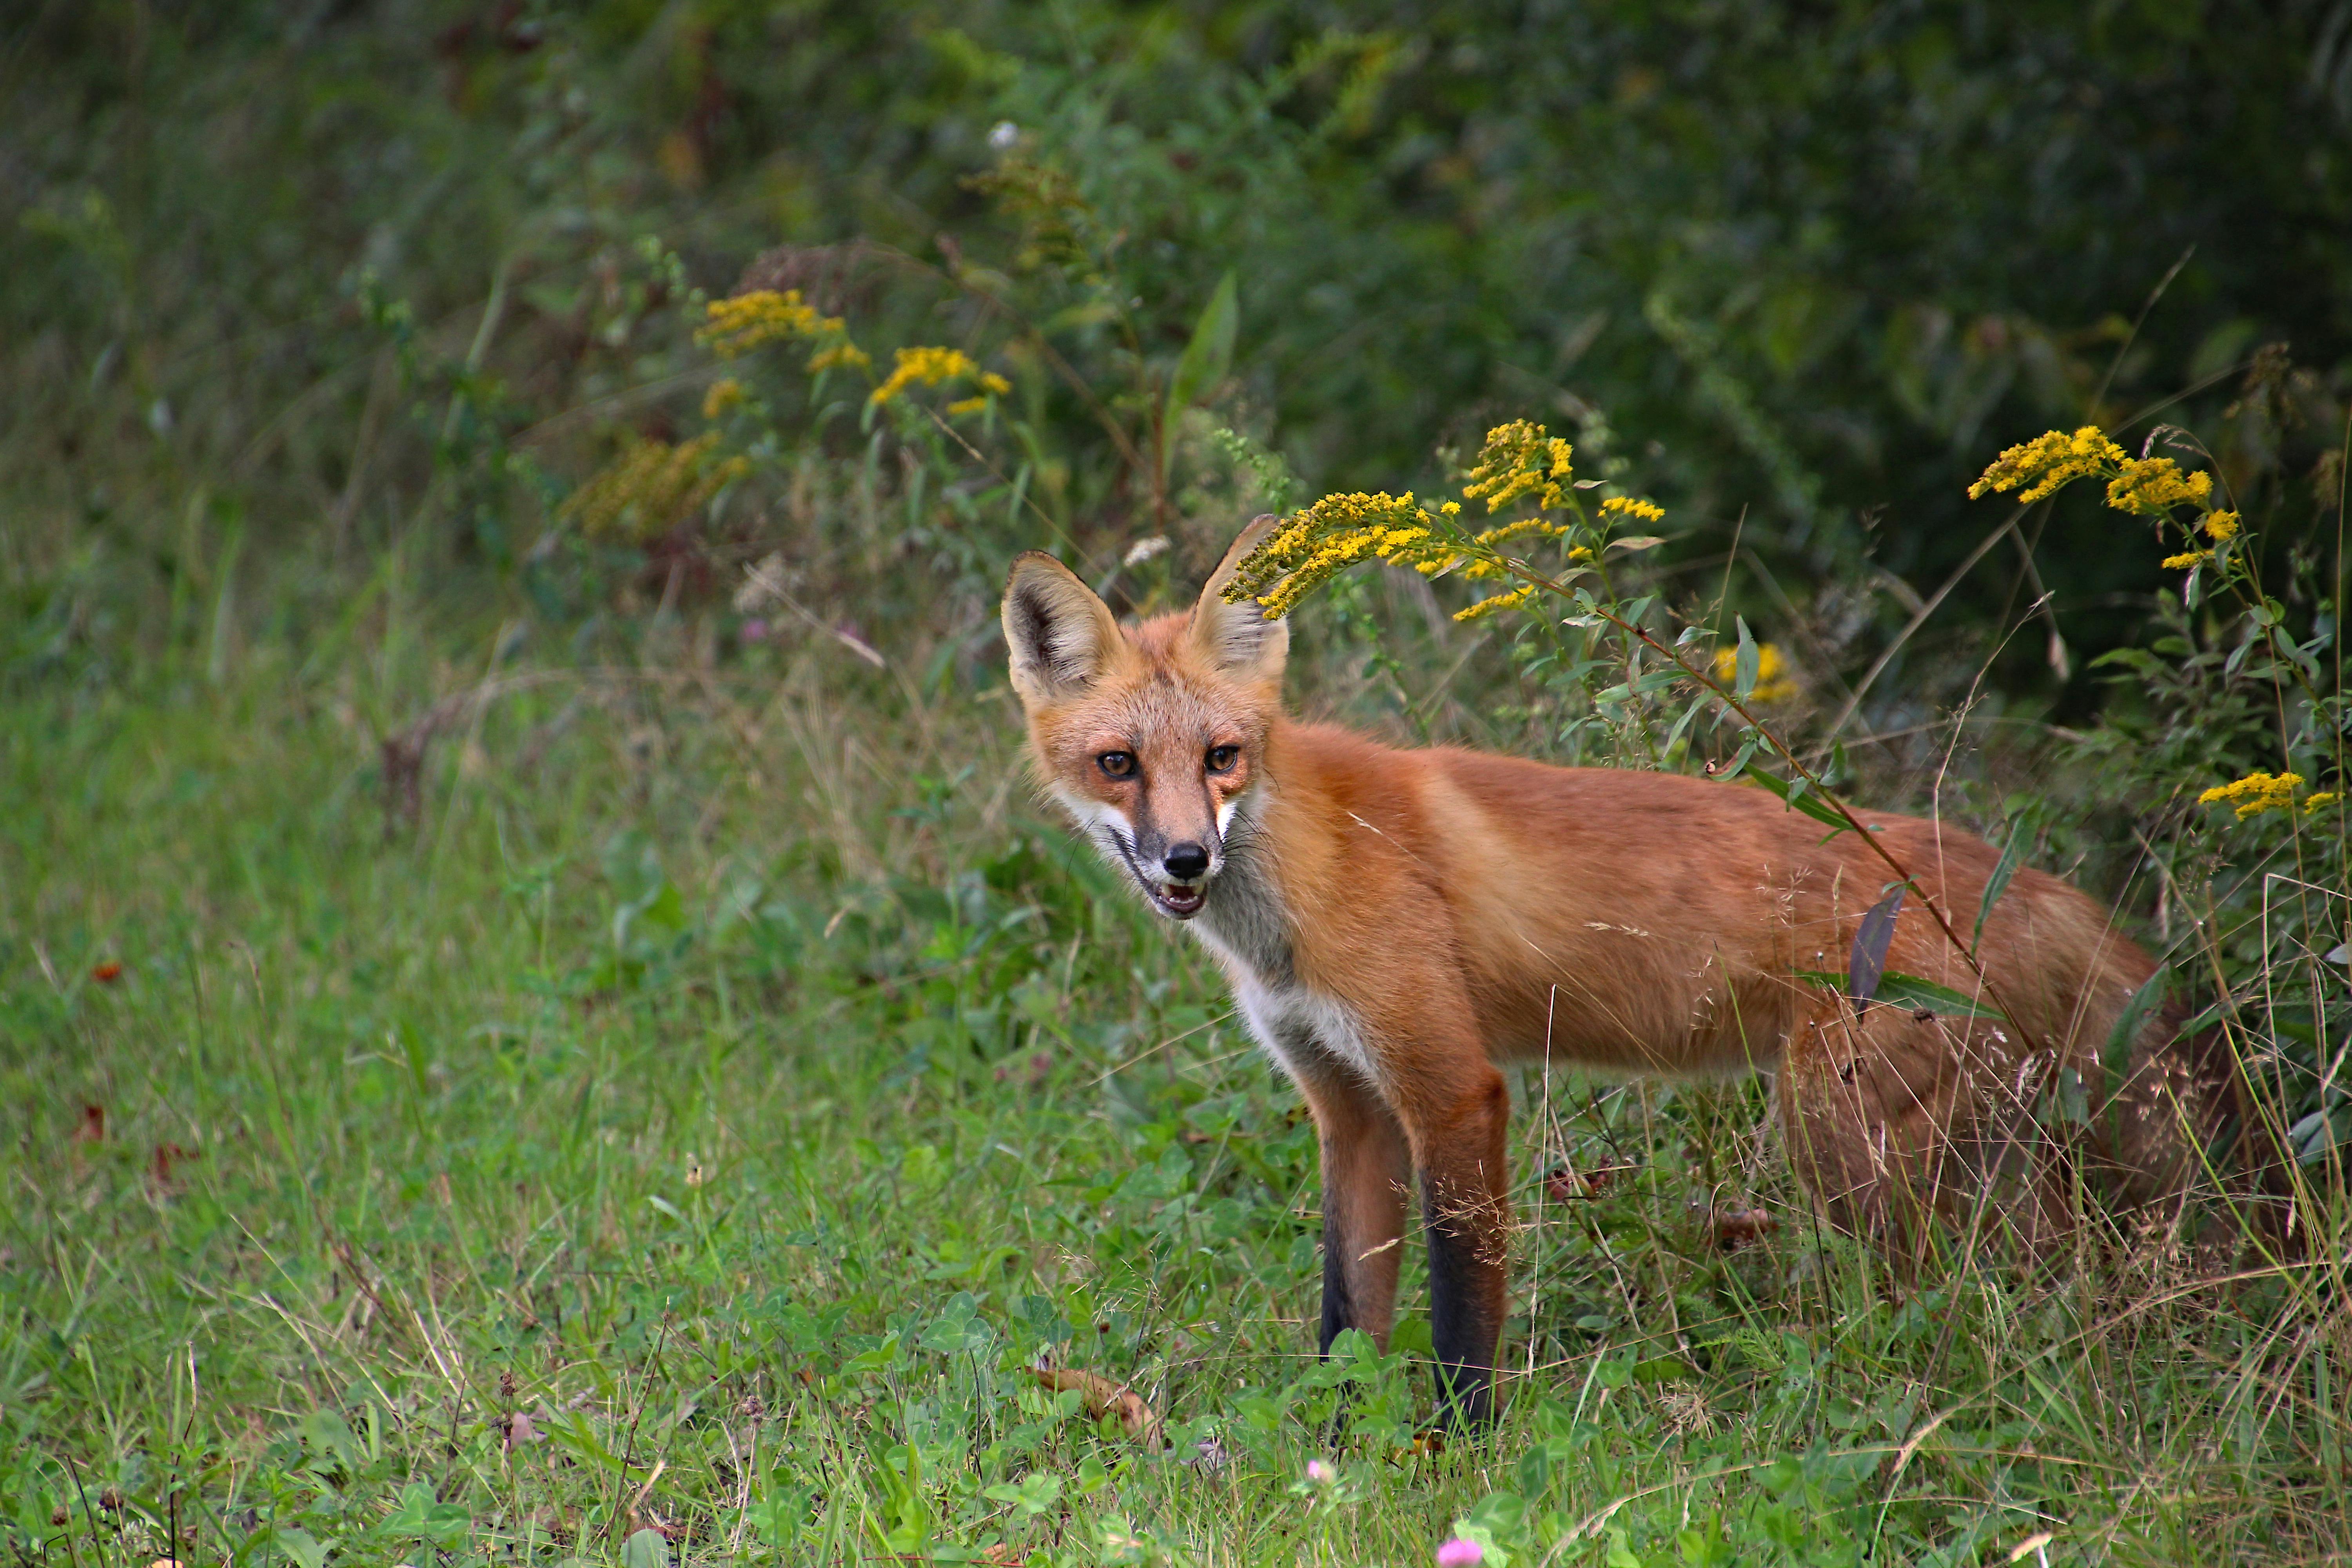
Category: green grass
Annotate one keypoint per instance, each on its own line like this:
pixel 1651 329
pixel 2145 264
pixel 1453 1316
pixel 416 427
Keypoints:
pixel 733 1074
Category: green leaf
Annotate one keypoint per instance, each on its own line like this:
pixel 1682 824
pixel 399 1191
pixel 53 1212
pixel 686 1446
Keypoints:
pixel 1205 360
pixel 1998 883
pixel 645 1549
pixel 2074 1101
pixel 332 1443
pixel 1912 991
pixel 776 1520
pixel 2116 1056
pixel 959 1331
pixel 1802 796
pixel 304 1548
pixel 1739 764
pixel 413 1513
pixel 1036 1493
pixel 1684 722
pixel 2315 1135
pixel 1896 989
pixel 418 1515
pixel 1745 663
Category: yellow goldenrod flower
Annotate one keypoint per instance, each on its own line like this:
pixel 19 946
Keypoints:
pixel 963 406
pixel 1627 506
pixel 1476 567
pixel 1520 459
pixel 1513 600
pixel 2154 486
pixel 747 321
pixel 844 353
pixel 2186 559
pixel 651 488
pixel 1517 460
pixel 1774 680
pixel 2221 525
pixel 2318 798
pixel 725 393
pixel 1320 542
pixel 2151 487
pixel 2256 794
pixel 932 366
pixel 2048 462
pixel 1525 525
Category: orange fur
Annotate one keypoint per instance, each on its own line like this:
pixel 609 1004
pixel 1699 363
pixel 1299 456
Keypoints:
pixel 1395 924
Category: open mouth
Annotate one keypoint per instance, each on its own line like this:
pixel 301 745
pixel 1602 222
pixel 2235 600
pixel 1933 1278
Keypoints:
pixel 1183 900
pixel 1178 901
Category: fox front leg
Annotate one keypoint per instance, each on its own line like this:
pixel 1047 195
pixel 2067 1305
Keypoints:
pixel 1366 1166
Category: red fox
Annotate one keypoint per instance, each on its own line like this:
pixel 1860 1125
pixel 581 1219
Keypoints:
pixel 1394 923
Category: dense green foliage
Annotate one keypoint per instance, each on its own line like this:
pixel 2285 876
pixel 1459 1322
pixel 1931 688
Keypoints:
pixel 517 897
pixel 1817 259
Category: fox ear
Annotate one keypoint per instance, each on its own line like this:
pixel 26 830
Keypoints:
pixel 1062 636
pixel 1238 638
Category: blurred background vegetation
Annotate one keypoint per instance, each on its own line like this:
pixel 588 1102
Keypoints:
pixel 1810 265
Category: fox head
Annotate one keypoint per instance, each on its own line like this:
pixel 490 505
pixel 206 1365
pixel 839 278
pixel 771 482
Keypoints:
pixel 1151 736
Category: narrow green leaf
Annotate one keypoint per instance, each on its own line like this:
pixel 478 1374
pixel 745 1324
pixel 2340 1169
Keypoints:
pixel 1998 883
pixel 2073 1100
pixel 1684 722
pixel 2315 1135
pixel 1205 360
pixel 1911 990
pixel 1802 796
pixel 1020 494
pixel 1896 989
pixel 2116 1056
pixel 1739 764
pixel 1745 663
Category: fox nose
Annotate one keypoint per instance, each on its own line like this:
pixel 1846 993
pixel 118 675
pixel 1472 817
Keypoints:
pixel 1186 862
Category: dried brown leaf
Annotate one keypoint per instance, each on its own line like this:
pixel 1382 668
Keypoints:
pixel 1103 1397
pixel 1738 1227
pixel 1563 1186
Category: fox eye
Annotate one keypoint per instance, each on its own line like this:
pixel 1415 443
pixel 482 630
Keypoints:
pixel 1223 758
pixel 1118 764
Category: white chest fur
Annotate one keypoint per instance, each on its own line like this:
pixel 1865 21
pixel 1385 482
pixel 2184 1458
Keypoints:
pixel 1248 929
pixel 1305 1032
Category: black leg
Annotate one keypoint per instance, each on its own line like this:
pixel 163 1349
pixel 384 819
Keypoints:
pixel 1465 1316
pixel 1338 1307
